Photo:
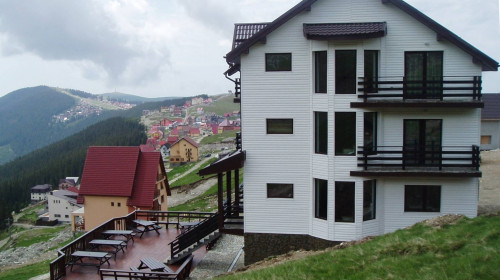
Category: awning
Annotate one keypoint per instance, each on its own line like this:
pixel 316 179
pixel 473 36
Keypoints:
pixel 230 162
pixel 344 31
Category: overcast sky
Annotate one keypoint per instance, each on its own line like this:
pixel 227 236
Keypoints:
pixel 168 47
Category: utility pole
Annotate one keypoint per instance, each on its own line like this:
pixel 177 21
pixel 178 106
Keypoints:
pixel 9 222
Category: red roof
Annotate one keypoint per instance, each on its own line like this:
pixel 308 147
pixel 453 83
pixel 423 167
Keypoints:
pixel 121 171
pixel 172 139
pixel 189 140
pixel 73 189
pixel 147 148
pixel 194 131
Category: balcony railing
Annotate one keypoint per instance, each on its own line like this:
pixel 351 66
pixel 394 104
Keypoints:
pixel 448 88
pixel 403 158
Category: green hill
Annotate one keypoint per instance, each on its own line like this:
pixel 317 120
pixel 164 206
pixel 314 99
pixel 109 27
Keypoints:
pixel 436 249
pixel 124 97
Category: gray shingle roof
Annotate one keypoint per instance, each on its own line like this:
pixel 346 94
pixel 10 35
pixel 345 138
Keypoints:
pixel 491 110
pixel 361 30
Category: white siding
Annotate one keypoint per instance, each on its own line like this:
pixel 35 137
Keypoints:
pixel 291 158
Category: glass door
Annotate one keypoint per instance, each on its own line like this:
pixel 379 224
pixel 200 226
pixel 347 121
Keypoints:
pixel 423 75
pixel 422 142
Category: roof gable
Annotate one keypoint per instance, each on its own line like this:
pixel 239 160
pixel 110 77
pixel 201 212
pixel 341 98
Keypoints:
pixel 487 63
pixel 145 179
pixel 491 110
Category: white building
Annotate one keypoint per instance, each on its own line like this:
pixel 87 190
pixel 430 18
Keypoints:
pixel 61 204
pixel 359 117
pixel 40 192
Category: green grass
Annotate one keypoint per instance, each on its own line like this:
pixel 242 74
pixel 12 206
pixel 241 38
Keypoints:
pixel 33 236
pixel 31 215
pixel 468 250
pixel 26 272
pixel 14 229
pixel 217 138
pixel 179 170
pixel 223 105
pixel 193 176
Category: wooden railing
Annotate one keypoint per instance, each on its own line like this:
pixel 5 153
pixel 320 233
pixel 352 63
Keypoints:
pixel 448 87
pixel 402 157
pixel 58 266
pixel 194 234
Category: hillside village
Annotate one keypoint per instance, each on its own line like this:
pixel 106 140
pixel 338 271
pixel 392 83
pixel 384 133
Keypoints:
pixel 344 131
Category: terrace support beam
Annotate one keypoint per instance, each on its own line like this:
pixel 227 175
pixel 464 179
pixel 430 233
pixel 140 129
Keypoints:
pixel 220 201
pixel 228 192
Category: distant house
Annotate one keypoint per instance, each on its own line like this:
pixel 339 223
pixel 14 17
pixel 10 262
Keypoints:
pixel 184 150
pixel 40 192
pixel 194 132
pixel 165 150
pixel 490 122
pixel 226 125
pixel 118 180
pixel 172 139
pixel 177 111
pixel 61 203
pixel 215 129
pixel 174 132
pixel 64 184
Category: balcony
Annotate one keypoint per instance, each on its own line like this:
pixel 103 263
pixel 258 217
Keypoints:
pixel 398 161
pixel 449 91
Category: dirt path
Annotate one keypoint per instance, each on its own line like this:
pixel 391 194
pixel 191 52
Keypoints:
pixel 180 195
pixel 196 166
pixel 489 190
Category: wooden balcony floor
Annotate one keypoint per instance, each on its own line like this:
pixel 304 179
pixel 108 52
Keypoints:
pixel 150 245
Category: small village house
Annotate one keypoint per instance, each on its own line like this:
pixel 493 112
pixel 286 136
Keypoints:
pixel 65 184
pixel 118 180
pixel 490 122
pixel 183 151
pixel 40 192
pixel 61 203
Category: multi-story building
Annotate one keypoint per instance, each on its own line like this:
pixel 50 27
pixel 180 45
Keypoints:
pixel 62 203
pixel 40 192
pixel 359 117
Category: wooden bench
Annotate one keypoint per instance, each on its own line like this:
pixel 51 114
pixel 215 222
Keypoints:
pixel 116 244
pixel 78 256
pixel 187 225
pixel 134 273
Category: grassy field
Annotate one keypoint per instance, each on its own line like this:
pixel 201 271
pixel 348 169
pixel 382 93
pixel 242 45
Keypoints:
pixel 31 214
pixel 223 105
pixel 33 236
pixel 26 272
pixel 193 176
pixel 470 249
pixel 217 138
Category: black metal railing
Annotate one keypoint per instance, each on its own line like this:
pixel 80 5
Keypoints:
pixel 447 87
pixel 194 234
pixel 398 157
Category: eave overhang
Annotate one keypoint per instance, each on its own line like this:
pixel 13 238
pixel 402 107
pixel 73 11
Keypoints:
pixel 344 31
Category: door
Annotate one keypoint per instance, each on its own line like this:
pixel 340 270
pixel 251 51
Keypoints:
pixel 423 75
pixel 422 142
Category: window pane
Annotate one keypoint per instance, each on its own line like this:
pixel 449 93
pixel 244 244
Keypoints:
pixel 369 200
pixel 321 132
pixel 279 126
pixel 422 198
pixel 280 190
pixel 320 198
pixel 371 71
pixel 345 72
pixel 278 62
pixel 370 132
pixel 320 74
pixel 344 202
pixel 345 134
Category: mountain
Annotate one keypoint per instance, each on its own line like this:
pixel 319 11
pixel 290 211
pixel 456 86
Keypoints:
pixel 133 98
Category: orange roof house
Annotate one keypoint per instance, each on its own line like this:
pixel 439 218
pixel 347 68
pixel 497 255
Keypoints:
pixel 118 180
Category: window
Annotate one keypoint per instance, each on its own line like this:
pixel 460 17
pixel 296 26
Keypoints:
pixel 112 204
pixel 57 215
pixel 370 132
pixel 422 198
pixel 345 72
pixel 279 190
pixel 320 198
pixel 279 126
pixel 344 202
pixel 119 204
pixel 369 200
pixel 278 62
pixel 321 132
pixel 66 216
pixel 162 199
pixel 345 134
pixel 485 139
pixel 422 142
pixel 371 71
pixel 424 74
pixel 320 74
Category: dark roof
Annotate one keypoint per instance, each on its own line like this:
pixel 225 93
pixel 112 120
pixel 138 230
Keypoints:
pixel 41 188
pixel 361 30
pixel 491 110
pixel 243 31
pixel 488 64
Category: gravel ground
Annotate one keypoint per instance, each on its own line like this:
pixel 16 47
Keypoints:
pixel 489 190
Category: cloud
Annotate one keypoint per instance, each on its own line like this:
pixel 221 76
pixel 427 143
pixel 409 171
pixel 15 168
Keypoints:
pixel 109 36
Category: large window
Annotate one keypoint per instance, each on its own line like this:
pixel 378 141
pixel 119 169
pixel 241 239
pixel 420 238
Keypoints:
pixel 279 126
pixel 424 74
pixel 370 132
pixel 345 133
pixel 321 132
pixel 371 71
pixel 278 62
pixel 280 190
pixel 345 71
pixel 344 202
pixel 320 199
pixel 369 200
pixel 422 198
pixel 320 74
pixel 422 141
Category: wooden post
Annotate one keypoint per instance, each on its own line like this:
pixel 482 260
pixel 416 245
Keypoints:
pixel 228 192
pixel 220 186
pixel 237 189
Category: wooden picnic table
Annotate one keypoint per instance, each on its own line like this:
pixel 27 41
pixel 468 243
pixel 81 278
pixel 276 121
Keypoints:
pixel 187 225
pixel 116 244
pixel 154 265
pixel 128 234
pixel 78 256
pixel 147 226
